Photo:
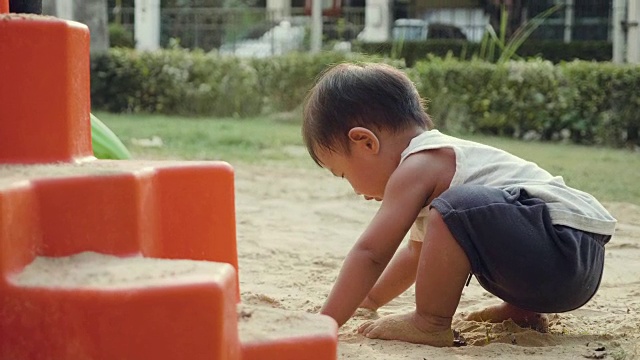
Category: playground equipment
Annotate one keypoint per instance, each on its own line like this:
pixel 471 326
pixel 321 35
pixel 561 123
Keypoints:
pixel 108 259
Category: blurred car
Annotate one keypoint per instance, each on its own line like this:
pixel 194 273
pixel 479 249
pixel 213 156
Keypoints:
pixel 419 30
pixel 279 39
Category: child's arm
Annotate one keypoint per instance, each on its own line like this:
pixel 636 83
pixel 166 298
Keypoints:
pixel 409 188
pixel 399 275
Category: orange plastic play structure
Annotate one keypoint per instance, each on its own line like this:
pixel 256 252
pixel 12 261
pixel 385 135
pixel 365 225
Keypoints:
pixel 113 259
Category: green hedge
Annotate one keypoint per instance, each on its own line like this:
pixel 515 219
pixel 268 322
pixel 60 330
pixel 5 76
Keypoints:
pixel 586 102
pixel 173 82
pixel 183 82
pixel 555 51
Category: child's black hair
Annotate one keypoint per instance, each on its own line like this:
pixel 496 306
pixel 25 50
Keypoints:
pixel 371 95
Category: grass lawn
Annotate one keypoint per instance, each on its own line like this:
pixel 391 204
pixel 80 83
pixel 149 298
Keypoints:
pixel 609 174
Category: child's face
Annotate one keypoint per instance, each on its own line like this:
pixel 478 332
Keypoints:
pixel 362 170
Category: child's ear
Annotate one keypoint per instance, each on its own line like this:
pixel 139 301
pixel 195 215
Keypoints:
pixel 364 139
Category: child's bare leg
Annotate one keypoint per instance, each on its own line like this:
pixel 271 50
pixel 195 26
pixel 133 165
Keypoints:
pixel 441 275
pixel 397 277
pixel 506 311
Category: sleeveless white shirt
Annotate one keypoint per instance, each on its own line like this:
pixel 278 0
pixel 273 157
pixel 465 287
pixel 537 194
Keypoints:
pixel 478 164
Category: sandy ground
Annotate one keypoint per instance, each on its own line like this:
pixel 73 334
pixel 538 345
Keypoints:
pixel 296 225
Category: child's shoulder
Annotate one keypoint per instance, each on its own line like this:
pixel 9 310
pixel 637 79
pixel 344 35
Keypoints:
pixel 433 139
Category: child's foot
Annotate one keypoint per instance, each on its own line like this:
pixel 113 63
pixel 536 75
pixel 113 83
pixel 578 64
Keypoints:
pixel 506 311
pixel 403 327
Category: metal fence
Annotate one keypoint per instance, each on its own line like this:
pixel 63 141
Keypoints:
pixel 574 20
pixel 577 20
pixel 213 28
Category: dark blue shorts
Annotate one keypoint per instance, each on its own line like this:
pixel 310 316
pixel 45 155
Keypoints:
pixel 517 254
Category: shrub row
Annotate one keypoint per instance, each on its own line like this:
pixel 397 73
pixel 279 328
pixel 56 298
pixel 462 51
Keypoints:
pixel 183 82
pixel 554 51
pixel 587 102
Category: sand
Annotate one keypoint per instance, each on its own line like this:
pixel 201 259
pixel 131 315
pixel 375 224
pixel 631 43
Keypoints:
pixel 93 270
pixel 295 225
pixel 260 324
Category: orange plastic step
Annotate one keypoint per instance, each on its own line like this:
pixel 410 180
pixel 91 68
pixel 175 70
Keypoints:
pixel 58 305
pixel 160 209
pixel 44 91
pixel 196 201
pixel 94 306
pixel 20 232
pixel 106 307
pixel 4 6
pixel 275 334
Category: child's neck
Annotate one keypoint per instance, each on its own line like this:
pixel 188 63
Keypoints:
pixel 396 142
pixel 403 138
